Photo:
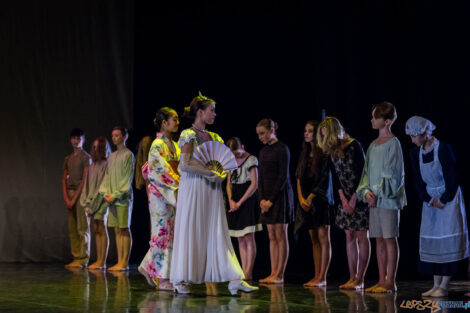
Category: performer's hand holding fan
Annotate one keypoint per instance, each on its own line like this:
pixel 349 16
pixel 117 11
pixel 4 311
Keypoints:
pixel 216 157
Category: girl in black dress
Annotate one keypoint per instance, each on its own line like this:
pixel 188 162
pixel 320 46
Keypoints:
pixel 243 214
pixel 276 195
pixel 314 192
pixel 352 215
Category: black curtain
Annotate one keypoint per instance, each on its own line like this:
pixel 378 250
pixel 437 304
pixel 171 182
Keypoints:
pixel 64 64
pixel 289 60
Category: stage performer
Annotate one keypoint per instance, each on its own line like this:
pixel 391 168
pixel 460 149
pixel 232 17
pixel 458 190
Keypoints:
pixel 352 215
pixel 315 196
pixel 443 234
pixel 141 180
pixel 243 214
pixel 117 192
pixel 163 176
pixel 75 170
pixel 276 197
pixel 382 185
pixel 94 203
pixel 202 249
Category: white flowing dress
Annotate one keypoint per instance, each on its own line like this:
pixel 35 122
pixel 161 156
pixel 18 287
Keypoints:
pixel 202 249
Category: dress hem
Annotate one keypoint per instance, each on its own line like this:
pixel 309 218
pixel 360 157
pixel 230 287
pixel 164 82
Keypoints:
pixel 246 230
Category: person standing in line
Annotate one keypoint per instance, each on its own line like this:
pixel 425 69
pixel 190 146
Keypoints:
pixel 202 249
pixel 314 192
pixel 443 237
pixel 163 176
pixel 352 214
pixel 382 185
pixel 75 170
pixel 94 203
pixel 117 192
pixel 141 163
pixel 243 213
pixel 276 197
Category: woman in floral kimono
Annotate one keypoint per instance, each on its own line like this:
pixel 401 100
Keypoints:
pixel 163 176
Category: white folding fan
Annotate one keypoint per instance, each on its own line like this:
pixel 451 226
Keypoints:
pixel 215 156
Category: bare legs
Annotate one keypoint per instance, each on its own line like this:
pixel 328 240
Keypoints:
pixel 358 251
pixel 102 244
pixel 388 254
pixel 279 252
pixel 123 246
pixel 321 255
pixel 247 246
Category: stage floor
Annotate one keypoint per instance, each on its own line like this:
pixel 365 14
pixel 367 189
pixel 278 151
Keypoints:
pixel 51 288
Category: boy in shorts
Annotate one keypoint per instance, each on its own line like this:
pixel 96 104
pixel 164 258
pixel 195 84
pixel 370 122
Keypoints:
pixel 382 186
pixel 117 192
pixel 75 170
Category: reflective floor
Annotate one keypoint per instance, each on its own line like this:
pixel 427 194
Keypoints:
pixel 51 288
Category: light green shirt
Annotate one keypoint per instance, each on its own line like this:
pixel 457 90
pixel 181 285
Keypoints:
pixel 117 180
pixel 384 175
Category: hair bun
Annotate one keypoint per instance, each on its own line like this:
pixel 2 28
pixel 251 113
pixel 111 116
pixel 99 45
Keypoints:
pixel 187 112
pixel 275 126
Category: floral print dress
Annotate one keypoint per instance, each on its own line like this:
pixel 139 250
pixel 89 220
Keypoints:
pixel 163 176
pixel 347 173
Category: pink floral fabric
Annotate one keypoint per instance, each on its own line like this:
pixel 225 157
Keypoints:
pixel 162 171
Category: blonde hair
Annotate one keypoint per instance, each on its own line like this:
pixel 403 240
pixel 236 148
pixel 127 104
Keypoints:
pixel 336 138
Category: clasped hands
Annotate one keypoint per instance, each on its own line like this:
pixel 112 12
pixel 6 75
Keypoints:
pixel 348 205
pixel 109 199
pixel 69 204
pixel 234 205
pixel 437 203
pixel 306 204
pixel 265 205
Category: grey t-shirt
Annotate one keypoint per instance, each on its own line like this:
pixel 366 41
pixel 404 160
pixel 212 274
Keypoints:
pixel 74 165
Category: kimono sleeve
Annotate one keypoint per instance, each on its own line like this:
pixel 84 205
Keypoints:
pixel 163 179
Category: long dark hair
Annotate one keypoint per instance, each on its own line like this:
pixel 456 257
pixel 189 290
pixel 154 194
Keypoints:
pixel 306 149
pixel 103 150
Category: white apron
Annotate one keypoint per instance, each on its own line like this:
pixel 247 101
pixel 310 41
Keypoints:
pixel 443 234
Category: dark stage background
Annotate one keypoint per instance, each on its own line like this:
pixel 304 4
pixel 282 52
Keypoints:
pixel 67 65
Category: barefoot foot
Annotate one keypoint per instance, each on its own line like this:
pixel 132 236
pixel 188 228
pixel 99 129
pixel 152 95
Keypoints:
pixel 118 267
pixel 371 289
pixel 356 285
pixel 264 280
pixel 310 283
pixel 97 266
pixel 346 284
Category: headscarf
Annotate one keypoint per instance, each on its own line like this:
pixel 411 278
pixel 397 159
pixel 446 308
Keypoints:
pixel 417 125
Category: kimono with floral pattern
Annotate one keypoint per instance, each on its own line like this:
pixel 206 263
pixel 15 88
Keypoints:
pixel 162 172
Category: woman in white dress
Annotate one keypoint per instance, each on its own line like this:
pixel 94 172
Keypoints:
pixel 202 249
